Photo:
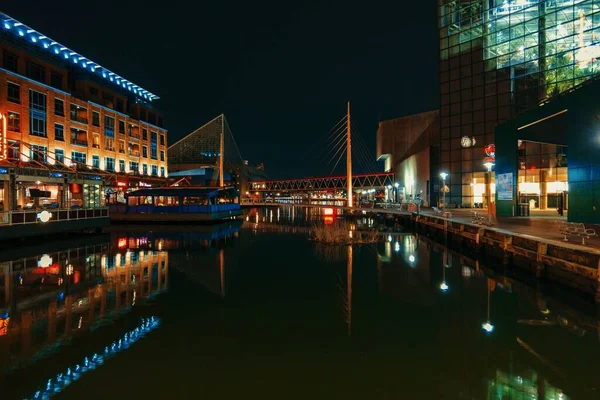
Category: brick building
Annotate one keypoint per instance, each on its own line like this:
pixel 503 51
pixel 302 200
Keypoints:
pixel 79 126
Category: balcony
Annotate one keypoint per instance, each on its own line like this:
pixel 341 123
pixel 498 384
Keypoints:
pixel 134 153
pixel 79 142
pixel 78 118
pixel 96 145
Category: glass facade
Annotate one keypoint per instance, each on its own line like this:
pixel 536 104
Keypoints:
pixel 499 58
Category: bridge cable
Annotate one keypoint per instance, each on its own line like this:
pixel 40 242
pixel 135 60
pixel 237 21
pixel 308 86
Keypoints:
pixel 337 162
pixel 340 142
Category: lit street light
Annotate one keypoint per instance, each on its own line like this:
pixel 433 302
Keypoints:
pixel 444 175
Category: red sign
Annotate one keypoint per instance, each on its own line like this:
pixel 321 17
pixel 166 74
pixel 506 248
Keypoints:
pixel 490 150
pixel 122 184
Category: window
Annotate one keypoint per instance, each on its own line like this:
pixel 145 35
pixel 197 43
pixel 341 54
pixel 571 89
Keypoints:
pixel 120 105
pixel 35 72
pixel 109 143
pixel 162 171
pixel 134 167
pixel 78 114
pixel 121 126
pixel 96 161
pixel 14 150
pixel 145 151
pixel 38 153
pixel 79 137
pixel 95 118
pixel 14 121
pixel 78 157
pixel 109 164
pixel 109 126
pixel 162 140
pixel 59 132
pixel 145 169
pixel 154 170
pixel 59 154
pixel 122 165
pixel 37 113
pixel 56 80
pixel 121 146
pixel 13 93
pixel 144 134
pixel 162 155
pixel 96 141
pixel 153 150
pixel 11 61
pixel 59 107
pixel 93 92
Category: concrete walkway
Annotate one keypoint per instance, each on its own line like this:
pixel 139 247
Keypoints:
pixel 544 226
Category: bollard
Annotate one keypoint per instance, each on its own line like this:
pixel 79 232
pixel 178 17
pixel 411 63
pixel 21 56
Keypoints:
pixel 539 268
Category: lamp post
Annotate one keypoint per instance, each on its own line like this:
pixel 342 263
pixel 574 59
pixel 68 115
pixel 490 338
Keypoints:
pixel 444 175
pixel 389 192
pixel 488 188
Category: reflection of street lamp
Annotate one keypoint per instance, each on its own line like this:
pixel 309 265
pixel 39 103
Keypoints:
pixel 487 325
pixel 444 286
pixel 444 175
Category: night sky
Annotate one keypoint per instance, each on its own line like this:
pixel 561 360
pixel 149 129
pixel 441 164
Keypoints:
pixel 281 73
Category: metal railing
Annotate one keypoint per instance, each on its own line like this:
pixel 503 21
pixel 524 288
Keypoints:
pixel 23 217
pixel 77 118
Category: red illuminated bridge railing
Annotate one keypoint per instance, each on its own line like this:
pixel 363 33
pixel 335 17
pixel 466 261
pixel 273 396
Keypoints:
pixel 359 181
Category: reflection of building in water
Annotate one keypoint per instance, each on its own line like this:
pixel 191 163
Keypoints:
pixel 529 385
pixel 49 298
pixel 200 252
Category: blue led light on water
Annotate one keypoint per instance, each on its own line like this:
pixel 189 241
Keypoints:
pixel 6 25
pixel 62 380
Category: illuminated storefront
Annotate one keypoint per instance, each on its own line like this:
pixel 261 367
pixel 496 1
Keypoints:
pixel 498 59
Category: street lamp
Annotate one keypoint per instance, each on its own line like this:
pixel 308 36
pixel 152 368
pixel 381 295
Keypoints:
pixel 396 186
pixel 444 175
pixel 488 188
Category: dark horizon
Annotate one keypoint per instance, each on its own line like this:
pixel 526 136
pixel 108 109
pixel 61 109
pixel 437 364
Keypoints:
pixel 281 75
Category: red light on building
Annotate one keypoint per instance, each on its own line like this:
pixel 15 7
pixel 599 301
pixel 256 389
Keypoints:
pixel 328 211
pixel 4 326
pixel 122 184
pixel 122 243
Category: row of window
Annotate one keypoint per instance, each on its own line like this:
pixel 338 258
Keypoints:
pixel 34 71
pixel 10 62
pixel 37 106
pixel 40 154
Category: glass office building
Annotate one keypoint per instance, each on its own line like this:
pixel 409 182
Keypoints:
pixel 499 58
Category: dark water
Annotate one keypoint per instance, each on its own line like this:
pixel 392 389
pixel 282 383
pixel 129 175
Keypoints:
pixel 254 310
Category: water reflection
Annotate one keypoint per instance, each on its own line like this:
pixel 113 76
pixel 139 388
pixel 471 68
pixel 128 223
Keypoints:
pixel 197 251
pixel 50 299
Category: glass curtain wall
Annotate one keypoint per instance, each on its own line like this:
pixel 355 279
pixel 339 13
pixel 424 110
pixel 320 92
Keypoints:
pixel 499 58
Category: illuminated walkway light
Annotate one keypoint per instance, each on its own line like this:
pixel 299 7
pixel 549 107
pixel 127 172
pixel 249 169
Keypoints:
pixel 62 380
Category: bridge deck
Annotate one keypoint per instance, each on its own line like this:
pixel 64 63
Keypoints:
pixel 359 181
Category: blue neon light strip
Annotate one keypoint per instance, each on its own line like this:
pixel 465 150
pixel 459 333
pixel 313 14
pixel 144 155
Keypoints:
pixel 62 380
pixel 17 28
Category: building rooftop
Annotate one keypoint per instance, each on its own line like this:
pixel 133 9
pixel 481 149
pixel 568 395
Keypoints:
pixel 18 29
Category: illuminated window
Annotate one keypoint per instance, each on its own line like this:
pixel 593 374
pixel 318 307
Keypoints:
pixel 14 121
pixel 37 113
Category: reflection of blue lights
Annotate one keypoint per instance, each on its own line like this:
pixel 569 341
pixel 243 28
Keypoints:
pixel 62 380
pixel 411 258
pixel 444 286
pixel 487 327
pixel 396 247
pixel 4 315
pixel 61 296
pixel 3 171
